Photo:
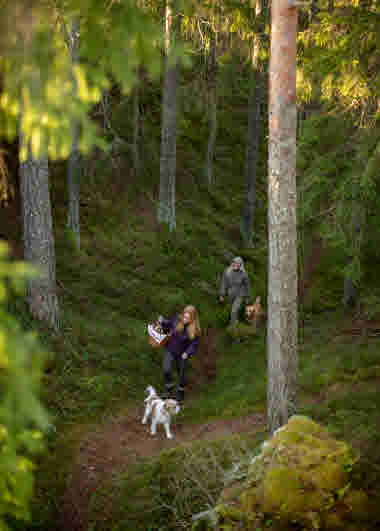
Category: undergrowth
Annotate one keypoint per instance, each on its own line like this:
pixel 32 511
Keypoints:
pixel 127 272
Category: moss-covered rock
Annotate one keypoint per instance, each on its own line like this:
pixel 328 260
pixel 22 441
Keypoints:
pixel 283 492
pixel 303 476
pixel 358 503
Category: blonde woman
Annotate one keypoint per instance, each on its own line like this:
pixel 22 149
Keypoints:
pixel 184 330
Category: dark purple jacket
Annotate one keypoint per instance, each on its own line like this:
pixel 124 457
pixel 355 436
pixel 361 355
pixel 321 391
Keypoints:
pixel 179 342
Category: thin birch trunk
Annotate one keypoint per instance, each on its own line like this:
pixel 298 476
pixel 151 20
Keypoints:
pixel 166 207
pixel 255 103
pixel 282 342
pixel 74 162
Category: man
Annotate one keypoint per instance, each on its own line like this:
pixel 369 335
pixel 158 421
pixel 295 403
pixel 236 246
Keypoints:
pixel 235 285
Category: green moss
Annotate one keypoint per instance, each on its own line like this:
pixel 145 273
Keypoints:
pixel 203 524
pixel 303 424
pixel 227 512
pixel 250 500
pixel 242 330
pixel 230 517
pixel 367 373
pixel 283 492
pixel 232 492
pixel 329 476
pixel 334 520
pixel 358 503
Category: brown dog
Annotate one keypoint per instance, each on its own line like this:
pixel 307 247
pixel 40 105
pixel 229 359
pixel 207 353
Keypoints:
pixel 254 312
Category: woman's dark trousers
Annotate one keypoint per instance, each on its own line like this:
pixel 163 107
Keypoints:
pixel 169 361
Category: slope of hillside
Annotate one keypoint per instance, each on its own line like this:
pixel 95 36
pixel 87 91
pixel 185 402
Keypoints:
pixel 127 272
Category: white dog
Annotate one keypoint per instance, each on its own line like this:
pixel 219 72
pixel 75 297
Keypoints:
pixel 161 411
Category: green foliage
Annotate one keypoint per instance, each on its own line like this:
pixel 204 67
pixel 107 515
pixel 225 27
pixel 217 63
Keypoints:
pixel 339 191
pixel 22 418
pixel 332 59
pixel 44 89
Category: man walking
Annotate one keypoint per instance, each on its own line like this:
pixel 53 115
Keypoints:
pixel 235 285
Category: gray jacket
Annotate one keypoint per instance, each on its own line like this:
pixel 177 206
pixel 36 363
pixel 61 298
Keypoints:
pixel 235 284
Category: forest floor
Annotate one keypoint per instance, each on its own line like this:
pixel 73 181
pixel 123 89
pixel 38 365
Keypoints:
pixel 111 448
pixel 103 470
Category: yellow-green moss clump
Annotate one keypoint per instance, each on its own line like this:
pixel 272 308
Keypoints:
pixel 302 476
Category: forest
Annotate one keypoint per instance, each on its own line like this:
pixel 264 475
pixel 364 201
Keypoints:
pixel 148 148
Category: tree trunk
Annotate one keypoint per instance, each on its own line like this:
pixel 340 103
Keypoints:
pixel 166 207
pixel 282 339
pixel 256 96
pixel 213 108
pixel 38 238
pixel 74 162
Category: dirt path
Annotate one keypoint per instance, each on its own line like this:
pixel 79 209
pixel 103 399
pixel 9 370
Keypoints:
pixel 108 450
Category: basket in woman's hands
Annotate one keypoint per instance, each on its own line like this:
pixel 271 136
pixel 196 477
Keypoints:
pixel 156 335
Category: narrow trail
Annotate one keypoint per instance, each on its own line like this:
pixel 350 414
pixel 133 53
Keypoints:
pixel 109 450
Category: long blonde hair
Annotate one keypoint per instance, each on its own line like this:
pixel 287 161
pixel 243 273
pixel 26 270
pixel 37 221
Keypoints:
pixel 194 327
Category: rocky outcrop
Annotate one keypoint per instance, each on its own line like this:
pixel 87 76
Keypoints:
pixel 302 479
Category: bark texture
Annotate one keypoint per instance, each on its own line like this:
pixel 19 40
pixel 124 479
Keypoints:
pixel 74 162
pixel 166 206
pixel 38 234
pixel 282 201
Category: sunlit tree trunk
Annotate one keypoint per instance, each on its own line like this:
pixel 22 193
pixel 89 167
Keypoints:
pixel 282 201
pixel 255 104
pixel 38 237
pixel 166 206
pixel 74 162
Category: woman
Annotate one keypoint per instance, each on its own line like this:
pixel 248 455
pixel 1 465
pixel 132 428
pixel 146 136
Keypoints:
pixel 184 330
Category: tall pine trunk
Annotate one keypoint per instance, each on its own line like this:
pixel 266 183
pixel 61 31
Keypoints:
pixel 74 162
pixel 255 104
pixel 282 341
pixel 38 237
pixel 166 207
